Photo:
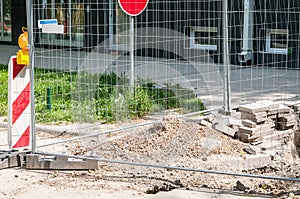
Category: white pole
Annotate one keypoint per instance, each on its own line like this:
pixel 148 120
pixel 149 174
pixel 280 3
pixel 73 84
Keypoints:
pixel 29 10
pixel 227 100
pixel 132 53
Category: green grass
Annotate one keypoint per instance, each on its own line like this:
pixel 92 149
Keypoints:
pixel 62 86
pixel 3 90
pixel 92 97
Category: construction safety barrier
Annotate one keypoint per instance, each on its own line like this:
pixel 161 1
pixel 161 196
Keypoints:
pixel 19 106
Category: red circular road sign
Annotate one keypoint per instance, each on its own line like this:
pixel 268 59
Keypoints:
pixel 133 7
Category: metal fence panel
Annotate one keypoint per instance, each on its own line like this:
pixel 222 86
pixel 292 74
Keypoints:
pixel 87 105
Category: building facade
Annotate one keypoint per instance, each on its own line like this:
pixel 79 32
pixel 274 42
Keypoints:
pixel 12 19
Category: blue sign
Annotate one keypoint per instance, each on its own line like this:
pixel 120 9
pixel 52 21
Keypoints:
pixel 46 22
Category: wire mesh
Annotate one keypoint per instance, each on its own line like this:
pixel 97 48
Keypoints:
pixel 3 97
pixel 87 106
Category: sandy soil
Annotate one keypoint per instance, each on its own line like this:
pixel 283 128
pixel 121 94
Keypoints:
pixel 20 184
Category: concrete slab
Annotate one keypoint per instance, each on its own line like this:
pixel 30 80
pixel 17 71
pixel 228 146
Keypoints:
pixel 281 109
pixel 34 161
pixel 226 130
pixel 255 117
pixel 259 106
pixel 205 123
pixel 9 160
pixel 244 137
pixel 263 133
pixel 258 129
pixel 228 120
pixel 284 114
pixel 249 123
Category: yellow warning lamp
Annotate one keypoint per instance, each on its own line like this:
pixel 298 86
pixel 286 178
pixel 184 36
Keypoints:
pixel 23 55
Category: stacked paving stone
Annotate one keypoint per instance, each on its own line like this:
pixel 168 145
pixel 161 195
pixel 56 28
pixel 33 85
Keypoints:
pixel 296 107
pixel 261 118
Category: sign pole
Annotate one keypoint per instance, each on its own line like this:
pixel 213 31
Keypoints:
pixel 132 8
pixel 132 53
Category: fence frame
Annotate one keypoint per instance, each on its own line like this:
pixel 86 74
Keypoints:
pixel 226 103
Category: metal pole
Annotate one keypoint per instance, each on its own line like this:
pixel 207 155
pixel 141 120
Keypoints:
pixel 49 99
pixel 226 95
pixel 132 53
pixel 110 22
pixel 29 11
pixel 2 19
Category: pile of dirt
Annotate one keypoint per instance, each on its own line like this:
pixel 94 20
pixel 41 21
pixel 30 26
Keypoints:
pixel 156 137
pixel 166 142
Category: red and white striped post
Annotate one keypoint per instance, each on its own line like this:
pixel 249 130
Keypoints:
pixel 19 107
